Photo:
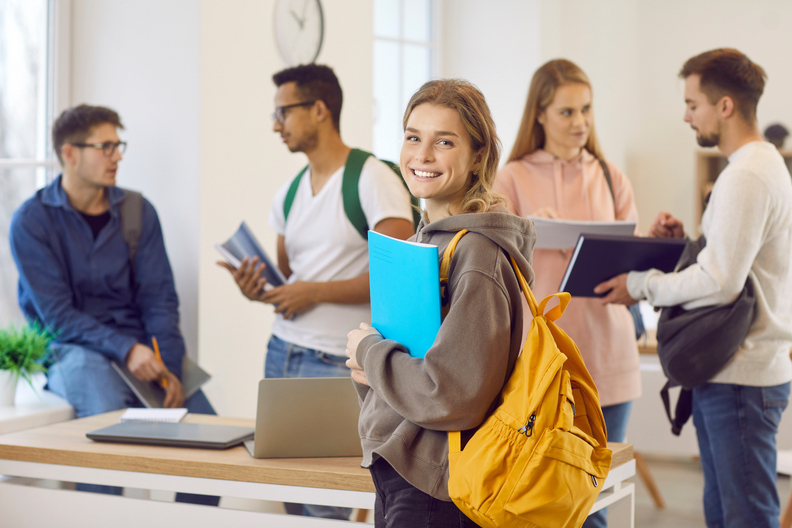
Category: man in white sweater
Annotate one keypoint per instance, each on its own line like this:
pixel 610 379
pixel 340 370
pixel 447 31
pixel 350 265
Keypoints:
pixel 748 227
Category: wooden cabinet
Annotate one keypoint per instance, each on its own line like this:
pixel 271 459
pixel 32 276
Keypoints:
pixel 709 164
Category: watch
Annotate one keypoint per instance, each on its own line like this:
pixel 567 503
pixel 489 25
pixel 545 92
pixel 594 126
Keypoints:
pixel 299 30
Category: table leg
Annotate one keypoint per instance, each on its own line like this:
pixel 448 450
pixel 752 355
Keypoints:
pixel 786 515
pixel 646 477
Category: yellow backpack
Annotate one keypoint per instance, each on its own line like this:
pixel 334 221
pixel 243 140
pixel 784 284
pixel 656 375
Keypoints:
pixel 540 458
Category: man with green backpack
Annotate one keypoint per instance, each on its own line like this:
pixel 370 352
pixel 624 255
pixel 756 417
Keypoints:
pixel 322 217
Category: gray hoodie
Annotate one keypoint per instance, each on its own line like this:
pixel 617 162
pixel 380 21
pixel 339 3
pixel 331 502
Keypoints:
pixel 413 402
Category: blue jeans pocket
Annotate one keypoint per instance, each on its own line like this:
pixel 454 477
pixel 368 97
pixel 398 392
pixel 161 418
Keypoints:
pixel 774 401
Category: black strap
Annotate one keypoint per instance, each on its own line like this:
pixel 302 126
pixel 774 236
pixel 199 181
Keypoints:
pixel 684 407
pixel 608 179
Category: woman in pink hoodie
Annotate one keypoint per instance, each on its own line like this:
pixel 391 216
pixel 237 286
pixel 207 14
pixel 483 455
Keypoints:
pixel 554 171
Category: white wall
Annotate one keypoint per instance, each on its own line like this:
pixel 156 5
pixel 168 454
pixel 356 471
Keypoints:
pixel 141 58
pixel 243 163
pixel 633 52
pixel 497 49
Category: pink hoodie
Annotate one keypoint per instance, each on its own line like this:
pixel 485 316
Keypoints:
pixel 540 184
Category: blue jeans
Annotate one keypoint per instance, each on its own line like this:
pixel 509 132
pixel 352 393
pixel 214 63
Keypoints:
pixel 87 380
pixel 287 360
pixel 616 418
pixel 736 426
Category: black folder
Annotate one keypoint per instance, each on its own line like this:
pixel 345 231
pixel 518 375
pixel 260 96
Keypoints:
pixel 598 258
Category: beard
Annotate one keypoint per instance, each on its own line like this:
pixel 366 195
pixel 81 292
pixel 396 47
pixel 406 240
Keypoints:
pixel 307 143
pixel 708 141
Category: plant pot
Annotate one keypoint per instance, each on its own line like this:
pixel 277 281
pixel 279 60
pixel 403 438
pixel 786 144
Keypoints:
pixel 8 385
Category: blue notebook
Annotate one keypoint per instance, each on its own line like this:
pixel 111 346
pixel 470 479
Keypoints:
pixel 405 291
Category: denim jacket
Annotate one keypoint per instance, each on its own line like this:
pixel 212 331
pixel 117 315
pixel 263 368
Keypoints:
pixel 80 288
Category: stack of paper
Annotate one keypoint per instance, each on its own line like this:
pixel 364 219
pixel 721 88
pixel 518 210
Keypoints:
pixel 153 415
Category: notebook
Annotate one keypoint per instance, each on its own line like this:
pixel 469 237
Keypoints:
pixel 151 394
pixel 306 418
pixel 243 244
pixel 204 436
pixel 405 291
pixel 598 258
pixel 134 414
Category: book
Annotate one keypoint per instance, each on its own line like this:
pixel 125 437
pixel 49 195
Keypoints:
pixel 564 234
pixel 243 244
pixel 151 394
pixel 598 258
pixel 134 414
pixel 405 291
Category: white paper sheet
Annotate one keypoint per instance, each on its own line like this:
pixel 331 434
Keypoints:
pixel 564 234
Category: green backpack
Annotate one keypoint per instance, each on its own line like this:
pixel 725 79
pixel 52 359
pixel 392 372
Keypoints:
pixel 350 192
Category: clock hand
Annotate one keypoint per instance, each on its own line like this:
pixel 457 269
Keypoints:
pixel 298 19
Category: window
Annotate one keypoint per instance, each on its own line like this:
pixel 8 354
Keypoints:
pixel 405 57
pixel 26 109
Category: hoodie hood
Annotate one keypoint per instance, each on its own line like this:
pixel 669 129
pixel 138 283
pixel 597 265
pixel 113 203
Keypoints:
pixel 514 234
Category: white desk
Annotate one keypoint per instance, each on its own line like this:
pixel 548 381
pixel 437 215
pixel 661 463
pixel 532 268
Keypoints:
pixel 34 408
pixel 61 452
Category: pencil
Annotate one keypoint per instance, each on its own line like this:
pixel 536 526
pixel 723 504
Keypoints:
pixel 163 380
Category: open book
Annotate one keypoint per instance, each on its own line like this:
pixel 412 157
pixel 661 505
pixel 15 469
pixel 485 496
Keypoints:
pixel 243 244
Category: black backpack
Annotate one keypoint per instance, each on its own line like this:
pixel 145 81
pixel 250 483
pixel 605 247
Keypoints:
pixel 694 345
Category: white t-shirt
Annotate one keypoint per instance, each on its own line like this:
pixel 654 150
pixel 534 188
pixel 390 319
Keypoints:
pixel 323 245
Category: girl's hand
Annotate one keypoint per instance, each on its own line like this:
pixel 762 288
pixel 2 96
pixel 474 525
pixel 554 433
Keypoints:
pixel 353 340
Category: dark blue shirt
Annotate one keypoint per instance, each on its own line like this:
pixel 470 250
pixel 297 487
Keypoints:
pixel 80 288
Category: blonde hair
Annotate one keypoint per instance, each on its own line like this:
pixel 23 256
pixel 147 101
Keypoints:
pixel 546 81
pixel 469 103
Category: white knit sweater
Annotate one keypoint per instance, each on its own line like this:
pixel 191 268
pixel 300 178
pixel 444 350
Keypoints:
pixel 748 226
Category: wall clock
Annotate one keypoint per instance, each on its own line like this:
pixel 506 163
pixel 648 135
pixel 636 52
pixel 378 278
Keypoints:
pixel 299 30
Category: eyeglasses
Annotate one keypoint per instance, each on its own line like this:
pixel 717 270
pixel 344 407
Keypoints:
pixel 108 148
pixel 280 112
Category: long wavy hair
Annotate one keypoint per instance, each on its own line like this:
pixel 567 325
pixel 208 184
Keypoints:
pixel 546 81
pixel 469 103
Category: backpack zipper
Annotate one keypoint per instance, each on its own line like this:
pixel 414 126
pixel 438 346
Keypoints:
pixel 574 412
pixel 594 480
pixel 527 429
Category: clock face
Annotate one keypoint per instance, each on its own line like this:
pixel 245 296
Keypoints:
pixel 299 28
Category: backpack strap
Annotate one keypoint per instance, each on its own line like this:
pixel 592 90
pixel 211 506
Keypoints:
pixel 350 190
pixel 291 193
pixel 608 179
pixel 684 407
pixel 131 214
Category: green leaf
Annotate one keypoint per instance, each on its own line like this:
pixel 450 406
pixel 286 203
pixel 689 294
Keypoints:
pixel 23 348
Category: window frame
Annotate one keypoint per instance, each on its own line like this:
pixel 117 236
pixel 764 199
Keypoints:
pixel 57 96
pixel 433 45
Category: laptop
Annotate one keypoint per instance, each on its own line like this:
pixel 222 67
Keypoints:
pixel 203 436
pixel 306 418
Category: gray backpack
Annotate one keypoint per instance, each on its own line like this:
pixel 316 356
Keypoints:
pixel 131 214
pixel 694 345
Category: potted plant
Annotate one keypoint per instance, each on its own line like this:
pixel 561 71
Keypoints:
pixel 22 348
